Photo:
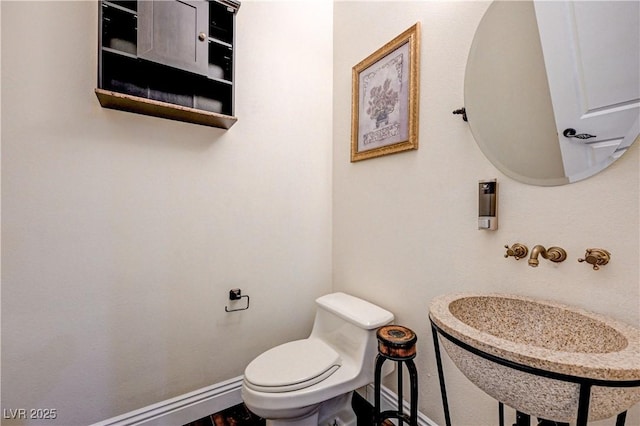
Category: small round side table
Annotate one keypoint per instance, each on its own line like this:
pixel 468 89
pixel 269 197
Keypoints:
pixel 397 343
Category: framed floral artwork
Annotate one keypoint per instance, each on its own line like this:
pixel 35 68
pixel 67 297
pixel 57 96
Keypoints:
pixel 385 96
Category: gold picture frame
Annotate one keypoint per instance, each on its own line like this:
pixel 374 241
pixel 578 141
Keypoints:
pixel 385 97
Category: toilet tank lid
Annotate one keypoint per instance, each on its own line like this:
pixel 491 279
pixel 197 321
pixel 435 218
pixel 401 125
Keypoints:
pixel 357 311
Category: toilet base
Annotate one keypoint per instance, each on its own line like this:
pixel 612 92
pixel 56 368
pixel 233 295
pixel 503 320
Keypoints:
pixel 338 411
pixel 311 420
pixel 334 412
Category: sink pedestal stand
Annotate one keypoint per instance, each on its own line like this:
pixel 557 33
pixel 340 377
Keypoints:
pixel 524 419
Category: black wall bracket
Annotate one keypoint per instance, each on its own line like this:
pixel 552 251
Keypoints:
pixel 462 111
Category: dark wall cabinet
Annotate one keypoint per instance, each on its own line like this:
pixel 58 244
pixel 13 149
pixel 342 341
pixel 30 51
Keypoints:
pixel 169 58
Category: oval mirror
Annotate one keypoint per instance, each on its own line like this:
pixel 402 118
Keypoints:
pixel 552 89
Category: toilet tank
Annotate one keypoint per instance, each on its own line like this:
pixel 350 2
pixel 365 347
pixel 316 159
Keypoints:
pixel 349 325
pixel 358 312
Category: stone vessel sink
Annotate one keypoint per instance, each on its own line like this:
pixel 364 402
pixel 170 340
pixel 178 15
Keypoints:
pixel 546 336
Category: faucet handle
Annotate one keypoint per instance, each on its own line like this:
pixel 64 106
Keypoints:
pixel 596 257
pixel 555 254
pixel 517 250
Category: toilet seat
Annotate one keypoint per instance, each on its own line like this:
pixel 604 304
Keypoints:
pixel 292 366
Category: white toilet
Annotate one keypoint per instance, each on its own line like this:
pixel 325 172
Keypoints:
pixel 310 382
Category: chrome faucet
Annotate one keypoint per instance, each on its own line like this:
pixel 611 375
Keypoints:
pixel 554 254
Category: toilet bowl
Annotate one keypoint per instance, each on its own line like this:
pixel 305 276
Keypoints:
pixel 309 382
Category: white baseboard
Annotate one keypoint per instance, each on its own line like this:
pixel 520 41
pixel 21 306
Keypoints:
pixel 184 408
pixel 389 401
pixel 220 396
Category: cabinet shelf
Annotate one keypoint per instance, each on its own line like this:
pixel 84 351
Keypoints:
pixel 222 81
pixel 125 6
pixel 119 52
pixel 220 42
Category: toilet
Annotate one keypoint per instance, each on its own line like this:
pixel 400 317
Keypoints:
pixel 310 382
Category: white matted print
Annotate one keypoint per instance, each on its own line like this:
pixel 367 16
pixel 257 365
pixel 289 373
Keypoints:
pixel 385 99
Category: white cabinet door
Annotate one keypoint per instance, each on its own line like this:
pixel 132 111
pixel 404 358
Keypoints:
pixel 174 33
pixel 592 56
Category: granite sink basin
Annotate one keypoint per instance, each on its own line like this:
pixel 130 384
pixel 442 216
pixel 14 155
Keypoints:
pixel 547 337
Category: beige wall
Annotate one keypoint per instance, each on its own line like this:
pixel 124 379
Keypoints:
pixel 405 225
pixel 122 233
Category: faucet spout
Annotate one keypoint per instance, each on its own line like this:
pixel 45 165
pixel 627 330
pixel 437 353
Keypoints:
pixel 554 254
pixel 537 250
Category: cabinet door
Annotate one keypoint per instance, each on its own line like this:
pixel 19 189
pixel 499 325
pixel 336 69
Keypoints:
pixel 174 33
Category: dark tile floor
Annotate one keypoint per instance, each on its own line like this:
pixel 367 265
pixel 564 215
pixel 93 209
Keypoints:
pixel 240 416
pixel 235 416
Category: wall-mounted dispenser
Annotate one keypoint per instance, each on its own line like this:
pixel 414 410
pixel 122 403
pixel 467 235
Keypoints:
pixel 488 204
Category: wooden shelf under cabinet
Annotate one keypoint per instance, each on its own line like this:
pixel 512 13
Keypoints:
pixel 124 102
